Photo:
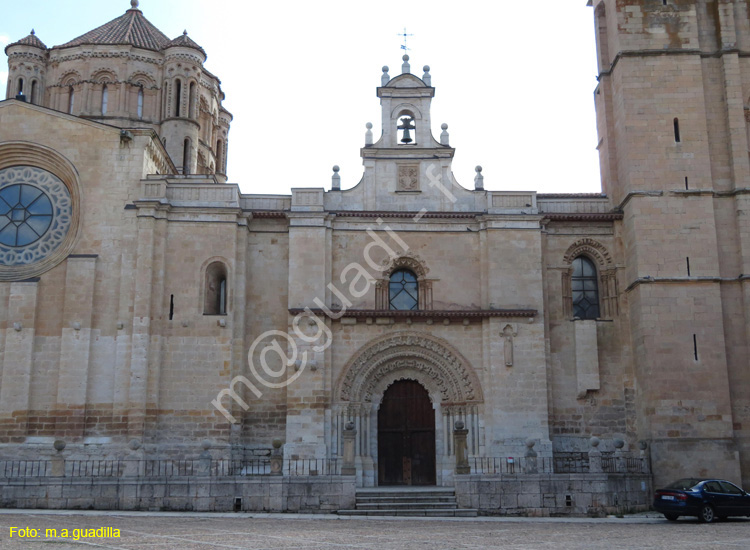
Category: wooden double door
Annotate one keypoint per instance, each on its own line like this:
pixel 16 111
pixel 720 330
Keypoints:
pixel 406 436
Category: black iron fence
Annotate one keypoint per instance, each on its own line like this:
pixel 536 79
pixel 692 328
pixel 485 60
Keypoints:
pixel 559 463
pixel 168 467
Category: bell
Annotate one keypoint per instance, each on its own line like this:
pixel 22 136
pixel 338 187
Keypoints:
pixel 406 125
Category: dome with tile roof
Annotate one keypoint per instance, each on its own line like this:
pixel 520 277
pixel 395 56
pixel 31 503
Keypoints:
pixel 30 40
pixel 127 73
pixel 131 28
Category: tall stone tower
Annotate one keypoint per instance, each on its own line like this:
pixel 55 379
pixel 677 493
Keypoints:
pixel 672 111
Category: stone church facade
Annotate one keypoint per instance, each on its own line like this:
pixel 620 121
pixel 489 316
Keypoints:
pixel 149 310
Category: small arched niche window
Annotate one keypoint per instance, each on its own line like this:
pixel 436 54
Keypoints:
pixel 71 99
pixel 186 156
pixel 19 91
pixel 585 289
pixel 191 100
pixel 140 102
pixel 215 297
pixel 105 99
pixel 403 290
pixel 34 93
pixel 177 97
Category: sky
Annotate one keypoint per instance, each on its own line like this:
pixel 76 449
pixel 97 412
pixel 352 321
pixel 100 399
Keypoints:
pixel 514 81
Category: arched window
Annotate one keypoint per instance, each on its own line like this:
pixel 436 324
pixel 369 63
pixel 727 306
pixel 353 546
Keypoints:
pixel 34 92
pixel 191 100
pixel 140 102
pixel 71 99
pixel 20 87
pixel 186 156
pixel 177 97
pixel 403 290
pixel 220 156
pixel 215 297
pixel 105 99
pixel 585 289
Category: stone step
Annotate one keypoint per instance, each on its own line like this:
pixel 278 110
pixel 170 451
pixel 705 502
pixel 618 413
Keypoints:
pixel 458 512
pixel 406 506
pixel 407 498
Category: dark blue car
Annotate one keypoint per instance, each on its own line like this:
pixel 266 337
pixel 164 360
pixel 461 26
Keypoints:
pixel 707 499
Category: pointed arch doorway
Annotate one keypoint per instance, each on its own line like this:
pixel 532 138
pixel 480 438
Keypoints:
pixel 406 435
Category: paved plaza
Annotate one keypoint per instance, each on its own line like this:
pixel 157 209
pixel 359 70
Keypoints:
pixel 185 531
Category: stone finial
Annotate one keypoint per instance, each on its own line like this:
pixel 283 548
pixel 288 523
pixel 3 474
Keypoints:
pixel 59 445
pixel 32 32
pixel 368 134
pixel 478 179
pixel 405 67
pixel 206 444
pixel 459 425
pixel 385 78
pixel 444 137
pixel 134 444
pixel 349 426
pixel 277 443
pixel 426 77
pixel 184 33
pixel 18 327
pixel 134 4
pixel 594 442
pixel 619 443
pixel 336 179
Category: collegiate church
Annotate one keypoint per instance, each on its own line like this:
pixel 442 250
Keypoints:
pixel 150 309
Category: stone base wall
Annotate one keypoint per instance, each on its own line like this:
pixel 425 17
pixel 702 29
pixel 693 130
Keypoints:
pixel 554 494
pixel 306 494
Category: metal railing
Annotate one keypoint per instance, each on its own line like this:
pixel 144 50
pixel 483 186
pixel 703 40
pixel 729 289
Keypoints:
pixel 559 463
pixel 312 467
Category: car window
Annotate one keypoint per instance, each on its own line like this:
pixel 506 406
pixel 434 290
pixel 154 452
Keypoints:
pixel 730 489
pixel 713 487
pixel 683 484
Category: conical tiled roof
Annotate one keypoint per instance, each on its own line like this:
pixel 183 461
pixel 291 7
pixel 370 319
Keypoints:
pixel 30 40
pixel 186 42
pixel 132 28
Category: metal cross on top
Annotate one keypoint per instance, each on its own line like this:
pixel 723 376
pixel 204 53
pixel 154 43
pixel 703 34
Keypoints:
pixel 404 36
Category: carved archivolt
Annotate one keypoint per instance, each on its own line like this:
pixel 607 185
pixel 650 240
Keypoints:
pixel 594 249
pixel 433 362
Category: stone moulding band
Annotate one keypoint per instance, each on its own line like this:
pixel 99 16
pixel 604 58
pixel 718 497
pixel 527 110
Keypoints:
pixel 429 313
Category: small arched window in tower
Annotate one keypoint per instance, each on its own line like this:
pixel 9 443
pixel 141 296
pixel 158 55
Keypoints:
pixel 585 289
pixel 220 156
pixel 191 100
pixel 215 298
pixel 140 102
pixel 403 290
pixel 105 99
pixel 186 156
pixel 71 99
pixel 677 130
pixel 406 129
pixel 19 90
pixel 177 96
pixel 34 93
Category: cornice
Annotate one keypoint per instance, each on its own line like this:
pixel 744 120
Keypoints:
pixel 423 314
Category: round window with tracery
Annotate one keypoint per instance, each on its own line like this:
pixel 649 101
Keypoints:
pixel 35 214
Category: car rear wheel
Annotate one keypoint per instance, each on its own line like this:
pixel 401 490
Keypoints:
pixel 707 514
pixel 671 517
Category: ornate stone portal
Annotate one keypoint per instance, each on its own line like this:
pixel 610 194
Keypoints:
pixel 451 382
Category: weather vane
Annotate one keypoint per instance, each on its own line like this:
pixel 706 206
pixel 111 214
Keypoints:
pixel 404 35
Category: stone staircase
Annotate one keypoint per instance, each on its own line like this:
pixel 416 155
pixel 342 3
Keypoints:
pixel 407 501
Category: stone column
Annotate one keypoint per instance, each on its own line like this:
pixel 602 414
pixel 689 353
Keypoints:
pixel 459 444
pixel 58 461
pixel 349 436
pixel 595 456
pixel 620 463
pixel 277 458
pixel 530 464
